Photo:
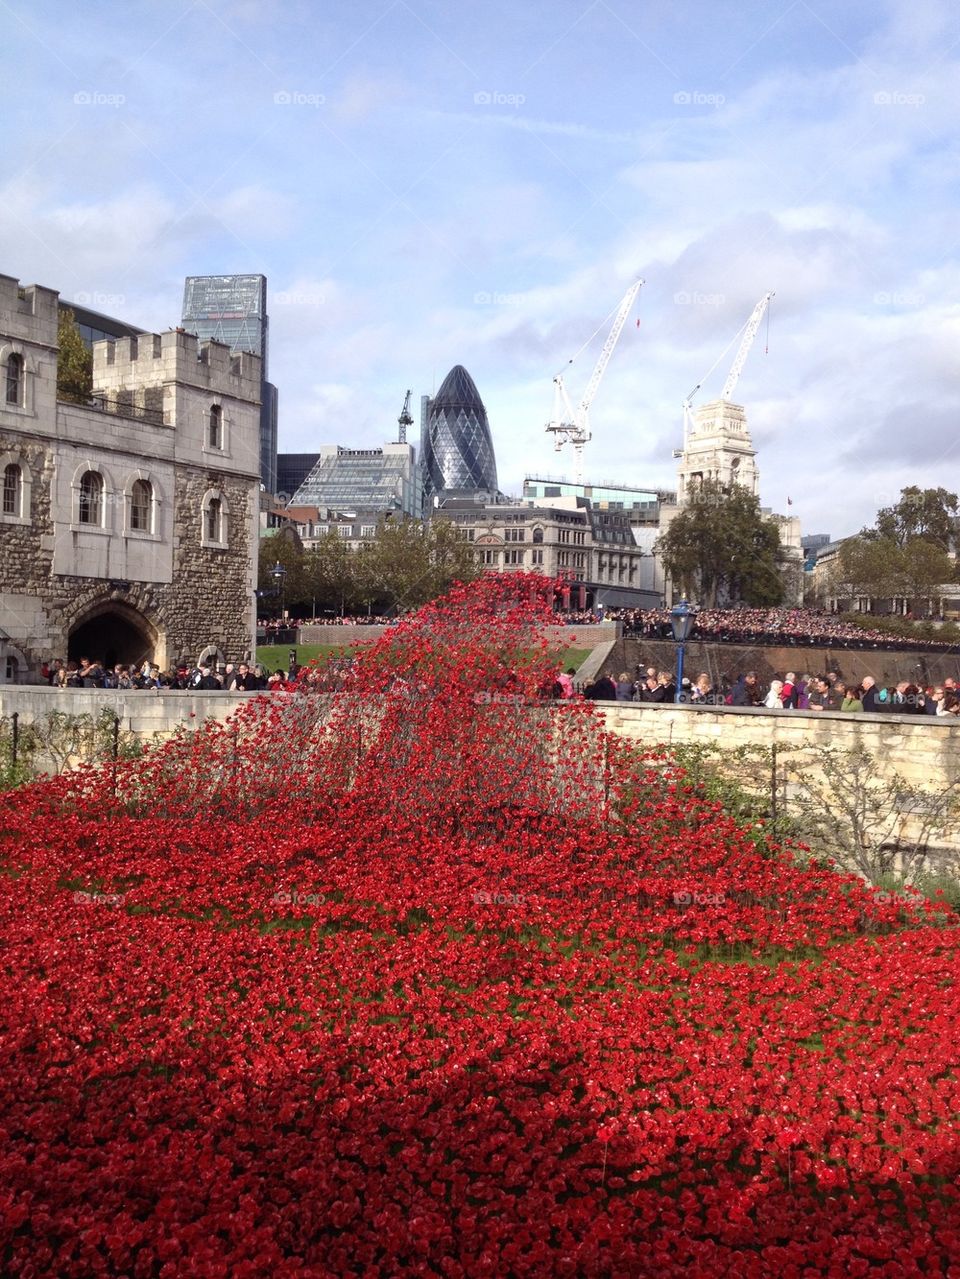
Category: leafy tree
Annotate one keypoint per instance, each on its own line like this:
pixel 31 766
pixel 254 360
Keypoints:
pixel 74 362
pixel 929 514
pixel 926 566
pixel 870 566
pixel 332 574
pixel 720 549
pixel 289 554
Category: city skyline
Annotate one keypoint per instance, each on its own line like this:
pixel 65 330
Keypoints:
pixel 424 186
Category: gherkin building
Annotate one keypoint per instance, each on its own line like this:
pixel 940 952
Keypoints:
pixel 456 450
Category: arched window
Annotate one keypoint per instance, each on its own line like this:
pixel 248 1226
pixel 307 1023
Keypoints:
pixel 91 499
pixel 12 489
pixel 141 506
pixel 215 427
pixel 214 519
pixel 537 536
pixel 14 379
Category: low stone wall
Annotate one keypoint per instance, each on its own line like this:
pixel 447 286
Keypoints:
pixel 922 749
pixel 557 636
pixel 146 712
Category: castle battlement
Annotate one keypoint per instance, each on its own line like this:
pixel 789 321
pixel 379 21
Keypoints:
pixel 153 359
pixel 35 304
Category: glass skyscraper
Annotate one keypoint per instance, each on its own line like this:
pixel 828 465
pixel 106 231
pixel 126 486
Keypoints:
pixel 233 309
pixel 456 449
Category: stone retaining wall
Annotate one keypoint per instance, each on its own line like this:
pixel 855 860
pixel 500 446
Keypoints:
pixel 559 636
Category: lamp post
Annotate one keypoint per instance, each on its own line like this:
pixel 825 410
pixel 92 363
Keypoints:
pixel 279 575
pixel 682 617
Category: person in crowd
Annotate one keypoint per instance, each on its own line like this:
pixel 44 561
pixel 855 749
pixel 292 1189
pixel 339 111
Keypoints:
pixel 243 680
pixel 602 689
pixel 949 705
pixel 818 694
pixel 869 694
pixel 565 680
pixel 788 693
pixel 851 700
pixel 624 687
pixel 934 697
pixel 746 691
pixel 774 698
pixel 836 692
pixel 277 682
pixel 204 680
pixel 701 692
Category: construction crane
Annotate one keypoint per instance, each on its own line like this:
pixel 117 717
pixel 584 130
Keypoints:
pixel 749 331
pixel 405 419
pixel 572 426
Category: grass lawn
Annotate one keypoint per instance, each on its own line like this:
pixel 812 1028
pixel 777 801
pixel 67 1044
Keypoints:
pixel 274 656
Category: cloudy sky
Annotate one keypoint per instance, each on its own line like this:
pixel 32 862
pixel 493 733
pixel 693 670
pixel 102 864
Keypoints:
pixel 428 183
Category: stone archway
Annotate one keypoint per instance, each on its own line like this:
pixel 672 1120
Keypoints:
pixel 114 632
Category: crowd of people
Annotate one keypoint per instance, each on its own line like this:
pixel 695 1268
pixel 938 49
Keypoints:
pixel 233 677
pixel 805 692
pixel 782 626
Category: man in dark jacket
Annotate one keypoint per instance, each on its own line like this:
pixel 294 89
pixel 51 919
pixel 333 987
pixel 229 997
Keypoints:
pixel 746 691
pixel 869 697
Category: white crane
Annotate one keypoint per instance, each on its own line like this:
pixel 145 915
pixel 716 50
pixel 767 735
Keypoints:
pixel 749 331
pixel 572 426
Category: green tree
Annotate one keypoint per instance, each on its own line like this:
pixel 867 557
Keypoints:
pixel 74 362
pixel 289 554
pixel 870 566
pixel 332 574
pixel 720 549
pixel 926 566
pixel 928 514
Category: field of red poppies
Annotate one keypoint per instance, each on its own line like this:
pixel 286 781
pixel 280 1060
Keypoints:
pixel 428 977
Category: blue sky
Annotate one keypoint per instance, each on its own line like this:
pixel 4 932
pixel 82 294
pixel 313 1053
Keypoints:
pixel 426 184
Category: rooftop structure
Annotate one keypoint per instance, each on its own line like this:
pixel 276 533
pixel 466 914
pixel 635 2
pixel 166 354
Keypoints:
pixel 381 479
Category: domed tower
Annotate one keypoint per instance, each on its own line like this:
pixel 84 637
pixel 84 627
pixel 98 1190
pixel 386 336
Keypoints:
pixel 456 449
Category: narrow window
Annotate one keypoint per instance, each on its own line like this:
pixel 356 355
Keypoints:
pixel 12 489
pixel 91 499
pixel 141 501
pixel 214 516
pixel 215 433
pixel 15 379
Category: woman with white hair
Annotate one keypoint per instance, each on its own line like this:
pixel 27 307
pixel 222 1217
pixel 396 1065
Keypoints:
pixel 773 700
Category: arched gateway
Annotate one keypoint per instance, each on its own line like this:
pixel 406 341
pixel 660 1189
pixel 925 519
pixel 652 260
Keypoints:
pixel 112 632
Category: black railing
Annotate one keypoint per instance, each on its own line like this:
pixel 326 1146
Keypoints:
pixel 124 408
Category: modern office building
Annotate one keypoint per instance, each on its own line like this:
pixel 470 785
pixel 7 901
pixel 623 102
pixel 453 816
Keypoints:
pixel 95 327
pixel 232 309
pixel 381 479
pixel 640 506
pixel 456 454
pixel 292 470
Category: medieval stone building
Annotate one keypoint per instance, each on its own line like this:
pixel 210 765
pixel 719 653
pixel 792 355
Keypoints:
pixel 128 525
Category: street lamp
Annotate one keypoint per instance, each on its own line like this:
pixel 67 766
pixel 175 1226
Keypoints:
pixel 682 618
pixel 279 575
